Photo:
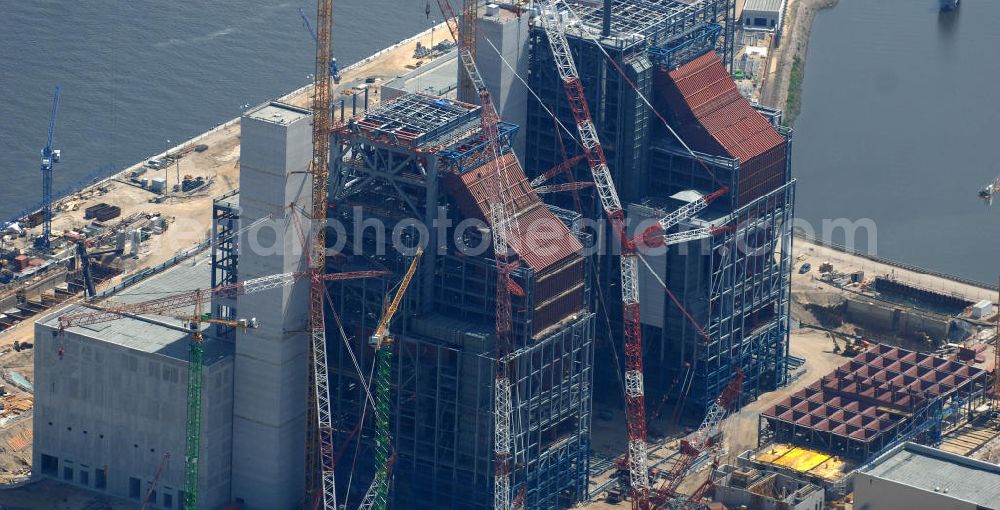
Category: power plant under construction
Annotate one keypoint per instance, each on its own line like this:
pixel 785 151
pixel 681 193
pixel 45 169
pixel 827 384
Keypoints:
pixel 538 271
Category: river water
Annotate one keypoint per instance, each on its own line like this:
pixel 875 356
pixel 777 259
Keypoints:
pixel 137 73
pixel 899 123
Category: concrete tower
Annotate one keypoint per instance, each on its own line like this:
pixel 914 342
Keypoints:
pixel 269 404
pixel 508 33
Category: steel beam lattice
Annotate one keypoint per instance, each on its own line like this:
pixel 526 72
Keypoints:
pixel 634 392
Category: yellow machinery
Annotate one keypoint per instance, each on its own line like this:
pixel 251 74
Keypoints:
pixel 377 497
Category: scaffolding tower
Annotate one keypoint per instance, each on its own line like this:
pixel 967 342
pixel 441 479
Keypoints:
pixel 225 257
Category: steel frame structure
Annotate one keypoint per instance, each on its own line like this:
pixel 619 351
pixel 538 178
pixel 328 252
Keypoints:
pixel 739 298
pixel 225 258
pixel 444 368
pixel 881 397
pixel 624 123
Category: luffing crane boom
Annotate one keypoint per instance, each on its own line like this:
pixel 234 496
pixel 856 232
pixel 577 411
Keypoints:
pixel 634 391
pixel 390 311
pixel 162 305
pixel 50 156
pixel 502 224
pixel 377 496
pixel 334 69
pixel 702 439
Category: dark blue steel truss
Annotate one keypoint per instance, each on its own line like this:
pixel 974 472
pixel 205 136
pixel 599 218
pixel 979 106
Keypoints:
pixel 686 46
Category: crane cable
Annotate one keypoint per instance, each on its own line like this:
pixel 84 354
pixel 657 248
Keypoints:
pixel 584 33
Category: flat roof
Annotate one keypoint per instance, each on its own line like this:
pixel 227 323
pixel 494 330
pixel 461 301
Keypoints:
pixel 155 334
pixel 230 200
pixel 764 5
pixel 278 113
pixel 436 78
pixel 935 470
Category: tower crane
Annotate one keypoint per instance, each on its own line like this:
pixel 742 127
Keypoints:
pixel 634 392
pixel 321 487
pixel 703 439
pixel 156 478
pixel 334 69
pixel 198 298
pixel 634 397
pixel 502 224
pixel 50 157
pixel 377 497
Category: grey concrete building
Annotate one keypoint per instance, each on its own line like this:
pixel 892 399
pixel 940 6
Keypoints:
pixel 763 14
pixel 917 477
pixel 501 48
pixel 436 78
pixel 746 487
pixel 110 401
pixel 269 401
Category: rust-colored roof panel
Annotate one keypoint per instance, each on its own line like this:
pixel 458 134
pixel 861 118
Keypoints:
pixel 538 237
pixel 867 396
pixel 710 97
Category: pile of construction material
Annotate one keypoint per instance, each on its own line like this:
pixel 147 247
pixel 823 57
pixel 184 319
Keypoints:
pixel 102 212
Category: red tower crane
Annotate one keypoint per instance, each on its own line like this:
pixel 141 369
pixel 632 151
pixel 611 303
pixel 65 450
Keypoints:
pixel 707 436
pixel 320 484
pixel 502 224
pixel 634 392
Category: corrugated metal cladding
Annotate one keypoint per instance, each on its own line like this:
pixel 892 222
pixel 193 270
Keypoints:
pixel 764 5
pixel 558 293
pixel 541 240
pixel 714 118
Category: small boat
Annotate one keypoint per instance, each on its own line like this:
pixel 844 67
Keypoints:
pixel 949 5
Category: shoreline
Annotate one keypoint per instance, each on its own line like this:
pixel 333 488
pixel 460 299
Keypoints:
pixel 288 97
pixel 787 70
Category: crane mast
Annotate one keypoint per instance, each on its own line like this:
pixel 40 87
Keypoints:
pixel 50 157
pixel 501 223
pixel 320 484
pixel 466 39
pixel 377 496
pixel 634 392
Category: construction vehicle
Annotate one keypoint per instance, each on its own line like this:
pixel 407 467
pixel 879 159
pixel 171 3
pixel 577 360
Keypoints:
pixel 169 304
pixel 50 157
pixel 377 497
pixel 852 347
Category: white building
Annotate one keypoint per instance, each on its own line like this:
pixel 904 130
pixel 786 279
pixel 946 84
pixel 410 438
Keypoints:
pixel 763 14
pixel 917 477
pixel 111 400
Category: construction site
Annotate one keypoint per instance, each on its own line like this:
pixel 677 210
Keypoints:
pixel 549 263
